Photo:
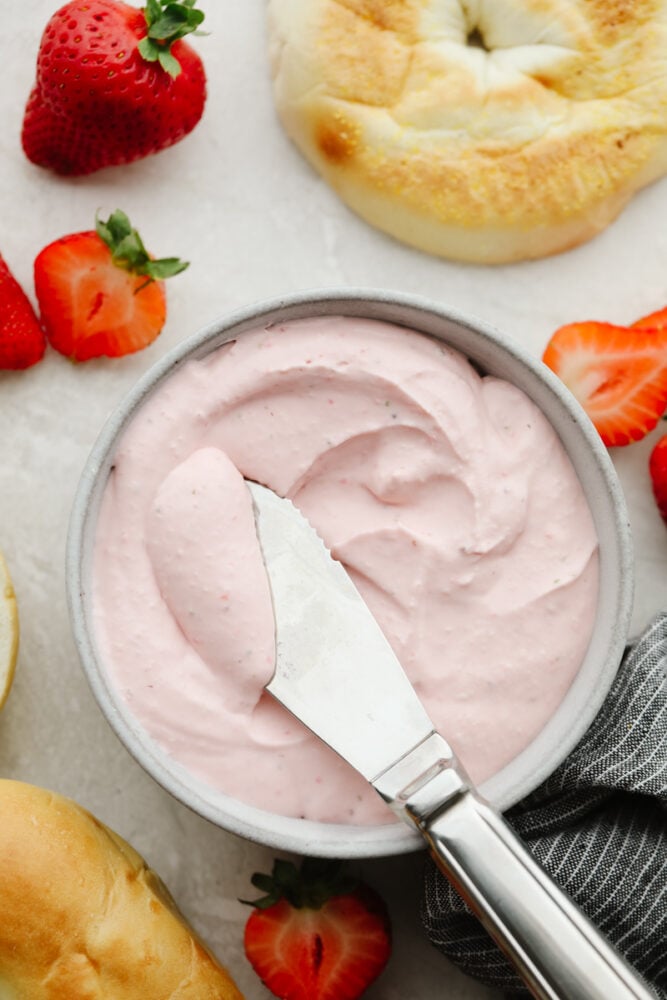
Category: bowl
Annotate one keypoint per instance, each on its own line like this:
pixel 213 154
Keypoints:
pixel 492 353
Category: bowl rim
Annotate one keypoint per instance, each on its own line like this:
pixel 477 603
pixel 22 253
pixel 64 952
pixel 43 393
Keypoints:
pixel 604 495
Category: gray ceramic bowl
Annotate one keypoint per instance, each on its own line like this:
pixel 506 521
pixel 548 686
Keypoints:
pixel 492 353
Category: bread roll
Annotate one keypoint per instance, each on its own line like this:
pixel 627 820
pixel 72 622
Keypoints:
pixel 83 918
pixel 480 130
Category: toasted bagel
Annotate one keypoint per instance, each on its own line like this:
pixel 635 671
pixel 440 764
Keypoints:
pixel 488 131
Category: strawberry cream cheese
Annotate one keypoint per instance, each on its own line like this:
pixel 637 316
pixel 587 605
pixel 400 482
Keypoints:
pixel 447 496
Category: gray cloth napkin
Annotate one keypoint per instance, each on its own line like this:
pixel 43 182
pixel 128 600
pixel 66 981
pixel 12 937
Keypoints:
pixel 598 825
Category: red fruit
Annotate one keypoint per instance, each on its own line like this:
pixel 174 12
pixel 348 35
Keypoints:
pixel 315 936
pixel 658 470
pixel 105 93
pixel 654 321
pixel 22 340
pixel 98 292
pixel 618 374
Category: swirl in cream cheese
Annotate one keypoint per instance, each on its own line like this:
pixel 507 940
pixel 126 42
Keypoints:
pixel 447 495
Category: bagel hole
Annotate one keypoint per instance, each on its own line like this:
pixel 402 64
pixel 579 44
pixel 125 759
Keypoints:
pixel 475 40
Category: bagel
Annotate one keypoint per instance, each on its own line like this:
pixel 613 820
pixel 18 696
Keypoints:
pixel 487 131
pixel 84 918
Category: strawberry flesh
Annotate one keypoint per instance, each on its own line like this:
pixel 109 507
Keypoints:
pixel 96 102
pixel 22 340
pixel 101 292
pixel 658 471
pixel 91 307
pixel 317 948
pixel 618 374
pixel 654 321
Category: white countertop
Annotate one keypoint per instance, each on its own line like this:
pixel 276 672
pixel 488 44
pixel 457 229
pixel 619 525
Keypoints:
pixel 237 201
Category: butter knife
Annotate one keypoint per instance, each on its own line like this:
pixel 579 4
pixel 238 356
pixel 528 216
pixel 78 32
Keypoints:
pixel 336 672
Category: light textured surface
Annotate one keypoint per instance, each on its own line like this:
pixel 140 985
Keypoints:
pixel 237 201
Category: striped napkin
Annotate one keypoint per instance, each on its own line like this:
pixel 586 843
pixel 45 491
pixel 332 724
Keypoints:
pixel 598 825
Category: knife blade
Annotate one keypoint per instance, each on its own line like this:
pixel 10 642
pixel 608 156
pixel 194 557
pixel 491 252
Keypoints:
pixel 349 689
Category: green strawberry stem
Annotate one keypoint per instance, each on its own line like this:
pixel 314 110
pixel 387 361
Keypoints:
pixel 167 21
pixel 129 252
pixel 310 887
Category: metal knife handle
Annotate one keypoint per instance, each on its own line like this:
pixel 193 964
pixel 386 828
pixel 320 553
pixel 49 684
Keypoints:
pixel 558 952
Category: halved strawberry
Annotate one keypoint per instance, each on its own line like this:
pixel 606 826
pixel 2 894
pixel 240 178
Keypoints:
pixel 99 292
pixel 618 374
pixel 316 935
pixel 22 340
pixel 658 471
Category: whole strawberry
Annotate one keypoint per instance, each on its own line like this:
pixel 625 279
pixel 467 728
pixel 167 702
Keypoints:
pixel 658 470
pixel 316 935
pixel 101 293
pixel 114 84
pixel 22 340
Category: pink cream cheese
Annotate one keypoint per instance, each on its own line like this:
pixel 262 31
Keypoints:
pixel 447 496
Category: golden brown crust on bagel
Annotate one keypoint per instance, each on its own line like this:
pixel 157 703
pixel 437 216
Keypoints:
pixel 520 150
pixel 84 918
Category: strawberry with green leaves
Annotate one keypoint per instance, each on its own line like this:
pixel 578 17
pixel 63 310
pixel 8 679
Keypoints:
pixel 22 340
pixel 316 935
pixel 101 293
pixel 618 374
pixel 114 83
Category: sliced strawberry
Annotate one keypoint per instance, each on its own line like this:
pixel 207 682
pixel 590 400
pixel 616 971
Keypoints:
pixel 99 292
pixel 618 374
pixel 22 340
pixel 315 937
pixel 654 321
pixel 658 471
